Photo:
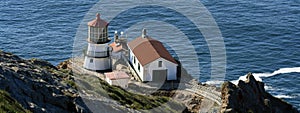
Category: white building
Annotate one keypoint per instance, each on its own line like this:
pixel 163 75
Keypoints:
pixel 97 56
pixel 119 47
pixel 151 60
pixel 117 78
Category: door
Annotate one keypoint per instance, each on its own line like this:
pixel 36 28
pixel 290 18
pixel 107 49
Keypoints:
pixel 159 75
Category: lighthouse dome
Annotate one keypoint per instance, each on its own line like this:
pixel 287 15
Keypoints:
pixel 98 22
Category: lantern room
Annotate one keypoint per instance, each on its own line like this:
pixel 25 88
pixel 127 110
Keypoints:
pixel 97 31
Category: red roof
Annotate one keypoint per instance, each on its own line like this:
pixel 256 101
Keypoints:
pixel 98 22
pixel 116 75
pixel 147 50
pixel 116 48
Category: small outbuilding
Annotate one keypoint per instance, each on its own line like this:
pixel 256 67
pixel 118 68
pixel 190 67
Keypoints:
pixel 117 78
pixel 151 60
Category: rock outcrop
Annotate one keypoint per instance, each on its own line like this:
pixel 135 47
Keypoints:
pixel 250 97
pixel 38 86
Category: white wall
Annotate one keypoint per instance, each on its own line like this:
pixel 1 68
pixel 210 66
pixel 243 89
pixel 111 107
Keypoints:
pixel 121 82
pixel 97 64
pixel 135 65
pixel 97 50
pixel 97 47
pixel 170 66
pixel 145 72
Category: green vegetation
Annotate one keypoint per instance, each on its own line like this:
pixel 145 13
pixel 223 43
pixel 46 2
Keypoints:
pixel 97 87
pixel 132 100
pixel 71 83
pixel 64 74
pixel 10 105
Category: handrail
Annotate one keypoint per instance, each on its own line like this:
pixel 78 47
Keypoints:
pixel 206 92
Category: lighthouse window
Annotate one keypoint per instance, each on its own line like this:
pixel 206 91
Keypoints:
pixel 91 60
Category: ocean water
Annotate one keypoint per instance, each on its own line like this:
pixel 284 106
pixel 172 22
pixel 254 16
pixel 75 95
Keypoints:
pixel 262 37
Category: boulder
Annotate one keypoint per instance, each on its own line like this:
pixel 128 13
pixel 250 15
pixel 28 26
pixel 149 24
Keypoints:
pixel 250 97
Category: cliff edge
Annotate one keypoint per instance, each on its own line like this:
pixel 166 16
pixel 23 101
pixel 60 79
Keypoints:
pixel 38 86
pixel 250 97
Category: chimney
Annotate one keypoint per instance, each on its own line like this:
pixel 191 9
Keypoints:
pixel 116 37
pixel 144 33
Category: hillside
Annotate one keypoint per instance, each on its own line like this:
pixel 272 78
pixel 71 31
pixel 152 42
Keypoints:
pixel 8 104
pixel 39 86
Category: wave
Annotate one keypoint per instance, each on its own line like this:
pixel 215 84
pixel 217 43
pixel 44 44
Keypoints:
pixel 268 88
pixel 214 82
pixel 283 96
pixel 259 76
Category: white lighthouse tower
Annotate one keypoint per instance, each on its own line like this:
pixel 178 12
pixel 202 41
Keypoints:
pixel 97 56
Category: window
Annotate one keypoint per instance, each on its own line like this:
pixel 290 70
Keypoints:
pixel 91 60
pixel 134 60
pixel 159 63
pixel 139 68
pixel 129 54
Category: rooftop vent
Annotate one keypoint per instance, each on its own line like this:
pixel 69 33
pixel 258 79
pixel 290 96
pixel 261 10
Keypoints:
pixel 144 33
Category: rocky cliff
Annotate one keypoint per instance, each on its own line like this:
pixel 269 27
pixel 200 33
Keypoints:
pixel 38 86
pixel 250 97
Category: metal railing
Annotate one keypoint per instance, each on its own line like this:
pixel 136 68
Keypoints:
pixel 206 92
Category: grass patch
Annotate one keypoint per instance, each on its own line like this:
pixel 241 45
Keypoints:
pixel 71 83
pixel 10 105
pixel 132 100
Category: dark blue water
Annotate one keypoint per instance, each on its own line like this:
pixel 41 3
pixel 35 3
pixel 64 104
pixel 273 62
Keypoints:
pixel 260 37
pixel 41 28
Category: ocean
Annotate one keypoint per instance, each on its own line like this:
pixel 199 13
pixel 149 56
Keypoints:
pixel 262 37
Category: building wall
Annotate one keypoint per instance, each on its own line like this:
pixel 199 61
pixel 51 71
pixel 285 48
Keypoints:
pixel 97 50
pixel 97 47
pixel 115 56
pixel 121 82
pixel 97 63
pixel 135 65
pixel 145 72
pixel 170 66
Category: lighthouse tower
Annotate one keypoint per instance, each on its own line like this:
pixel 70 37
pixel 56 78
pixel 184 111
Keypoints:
pixel 97 56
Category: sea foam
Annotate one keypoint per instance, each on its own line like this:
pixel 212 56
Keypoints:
pixel 283 96
pixel 259 76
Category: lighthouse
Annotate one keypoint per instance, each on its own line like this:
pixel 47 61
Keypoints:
pixel 97 56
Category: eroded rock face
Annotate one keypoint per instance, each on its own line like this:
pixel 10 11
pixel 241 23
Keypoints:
pixel 250 97
pixel 37 85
